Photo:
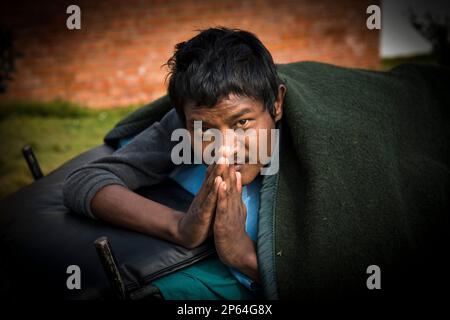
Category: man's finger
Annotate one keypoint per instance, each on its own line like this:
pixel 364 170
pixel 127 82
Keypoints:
pixel 226 173
pixel 239 182
pixel 211 198
pixel 206 187
pixel 232 178
pixel 211 167
pixel 211 171
pixel 222 199
pixel 220 167
pixel 210 177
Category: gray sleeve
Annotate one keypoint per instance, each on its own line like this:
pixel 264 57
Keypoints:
pixel 143 161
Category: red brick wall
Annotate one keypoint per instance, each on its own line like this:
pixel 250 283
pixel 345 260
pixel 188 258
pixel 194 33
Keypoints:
pixel 116 57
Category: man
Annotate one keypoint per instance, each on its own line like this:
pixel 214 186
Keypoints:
pixel 227 80
pixel 362 185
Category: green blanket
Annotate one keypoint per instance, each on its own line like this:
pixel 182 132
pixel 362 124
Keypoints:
pixel 363 180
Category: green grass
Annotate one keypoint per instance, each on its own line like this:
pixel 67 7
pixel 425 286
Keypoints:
pixel 388 63
pixel 57 131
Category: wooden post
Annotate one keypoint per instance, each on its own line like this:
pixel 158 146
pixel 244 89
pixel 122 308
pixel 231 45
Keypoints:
pixel 109 263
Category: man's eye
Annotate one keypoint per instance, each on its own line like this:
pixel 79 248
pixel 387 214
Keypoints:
pixel 242 122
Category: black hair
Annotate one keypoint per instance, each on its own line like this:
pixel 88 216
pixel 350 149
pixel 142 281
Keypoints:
pixel 220 61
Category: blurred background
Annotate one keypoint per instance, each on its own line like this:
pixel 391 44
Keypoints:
pixel 61 90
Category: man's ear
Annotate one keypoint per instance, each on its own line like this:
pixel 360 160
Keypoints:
pixel 278 107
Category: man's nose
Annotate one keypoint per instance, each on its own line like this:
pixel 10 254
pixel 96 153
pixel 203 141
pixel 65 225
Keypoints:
pixel 227 151
pixel 230 146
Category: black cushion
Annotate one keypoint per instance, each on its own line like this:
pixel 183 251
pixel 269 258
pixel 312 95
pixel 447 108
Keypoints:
pixel 40 238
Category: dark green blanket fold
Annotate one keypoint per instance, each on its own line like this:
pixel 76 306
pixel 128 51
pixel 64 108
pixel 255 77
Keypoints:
pixel 364 180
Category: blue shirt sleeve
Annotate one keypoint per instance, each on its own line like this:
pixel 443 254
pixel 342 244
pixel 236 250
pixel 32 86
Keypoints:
pixel 244 280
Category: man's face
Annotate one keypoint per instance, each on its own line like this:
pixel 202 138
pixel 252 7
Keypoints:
pixel 233 113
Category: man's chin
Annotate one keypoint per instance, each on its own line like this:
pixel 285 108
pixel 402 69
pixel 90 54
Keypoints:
pixel 248 172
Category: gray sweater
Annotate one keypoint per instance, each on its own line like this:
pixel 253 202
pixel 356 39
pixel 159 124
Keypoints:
pixel 142 162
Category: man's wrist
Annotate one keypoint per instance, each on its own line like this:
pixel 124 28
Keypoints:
pixel 175 229
pixel 246 261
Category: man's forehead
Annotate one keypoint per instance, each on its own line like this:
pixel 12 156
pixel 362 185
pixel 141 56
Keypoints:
pixel 226 108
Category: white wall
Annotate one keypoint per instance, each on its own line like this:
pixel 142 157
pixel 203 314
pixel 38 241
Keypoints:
pixel 398 37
